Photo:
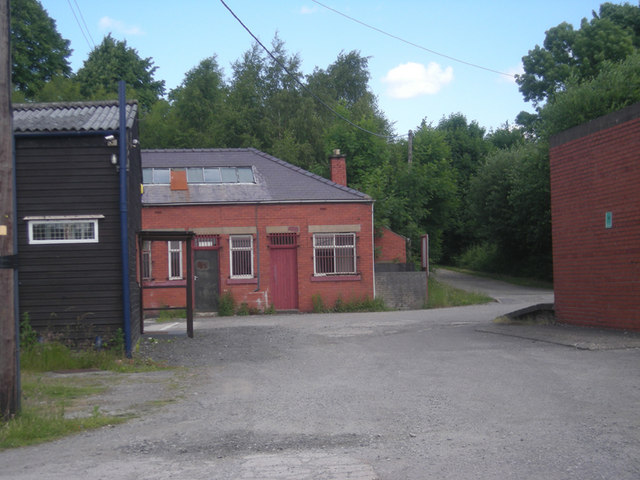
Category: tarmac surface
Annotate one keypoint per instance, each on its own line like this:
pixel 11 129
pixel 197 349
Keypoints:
pixel 442 394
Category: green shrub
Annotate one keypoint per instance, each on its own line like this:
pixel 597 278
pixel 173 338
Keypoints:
pixel 28 336
pixel 482 257
pixel 363 304
pixel 243 309
pixel 318 303
pixel 226 305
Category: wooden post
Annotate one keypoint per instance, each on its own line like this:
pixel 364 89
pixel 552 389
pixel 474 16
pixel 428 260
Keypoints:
pixel 9 371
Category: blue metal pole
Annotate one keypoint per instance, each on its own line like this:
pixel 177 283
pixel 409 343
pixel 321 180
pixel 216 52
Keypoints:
pixel 124 219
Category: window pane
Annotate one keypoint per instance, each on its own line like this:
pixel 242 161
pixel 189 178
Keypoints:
pixel 241 262
pixel 212 175
pixel 147 175
pixel 324 260
pixel 240 242
pixel 73 231
pixel 245 175
pixel 345 260
pixel 195 175
pixel 162 175
pixel 345 239
pixel 229 175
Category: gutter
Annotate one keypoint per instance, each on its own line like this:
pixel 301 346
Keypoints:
pixel 124 220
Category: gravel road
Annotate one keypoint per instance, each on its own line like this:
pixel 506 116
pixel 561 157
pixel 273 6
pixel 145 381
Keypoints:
pixel 390 395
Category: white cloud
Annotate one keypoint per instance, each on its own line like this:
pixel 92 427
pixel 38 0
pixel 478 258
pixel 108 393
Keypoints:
pixel 411 79
pixel 118 26
pixel 308 10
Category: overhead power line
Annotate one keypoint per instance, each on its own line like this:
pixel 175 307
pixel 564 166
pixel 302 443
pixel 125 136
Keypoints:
pixel 302 85
pixel 411 43
pixel 82 30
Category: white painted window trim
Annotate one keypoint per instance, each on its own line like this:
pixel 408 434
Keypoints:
pixel 334 247
pixel 233 249
pixel 171 251
pixel 32 221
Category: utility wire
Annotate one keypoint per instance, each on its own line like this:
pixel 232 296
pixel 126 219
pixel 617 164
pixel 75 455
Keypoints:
pixel 79 25
pixel 411 43
pixel 84 23
pixel 302 85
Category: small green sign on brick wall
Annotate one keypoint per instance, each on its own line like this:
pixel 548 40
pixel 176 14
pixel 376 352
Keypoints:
pixel 608 220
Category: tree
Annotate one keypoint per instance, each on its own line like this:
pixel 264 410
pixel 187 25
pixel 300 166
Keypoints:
pixel 112 61
pixel 579 54
pixel 509 200
pixel 197 105
pixel 38 51
pixel 615 87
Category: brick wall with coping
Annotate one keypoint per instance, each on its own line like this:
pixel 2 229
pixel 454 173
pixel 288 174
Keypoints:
pixel 595 206
pixel 390 247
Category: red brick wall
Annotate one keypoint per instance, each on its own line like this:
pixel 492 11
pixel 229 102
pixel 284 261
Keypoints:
pixel 299 216
pixel 390 247
pixel 597 269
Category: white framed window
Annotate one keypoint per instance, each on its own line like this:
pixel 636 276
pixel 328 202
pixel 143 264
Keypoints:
pixel 334 254
pixel 175 260
pixel 241 256
pixel 158 176
pixel 146 260
pixel 63 229
pixel 220 175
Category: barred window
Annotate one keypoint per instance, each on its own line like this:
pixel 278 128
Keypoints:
pixel 241 256
pixel 334 253
pixel 63 231
pixel 175 260
pixel 146 260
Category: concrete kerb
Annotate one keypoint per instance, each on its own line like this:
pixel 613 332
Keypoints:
pixel 582 338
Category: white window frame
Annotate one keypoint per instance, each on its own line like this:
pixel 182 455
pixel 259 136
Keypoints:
pixel 234 248
pixel 317 245
pixel 146 260
pixel 65 221
pixel 171 251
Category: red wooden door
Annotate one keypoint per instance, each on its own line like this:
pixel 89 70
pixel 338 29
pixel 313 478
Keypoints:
pixel 284 277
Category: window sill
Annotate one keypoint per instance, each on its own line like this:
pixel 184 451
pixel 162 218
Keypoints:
pixel 164 283
pixel 336 278
pixel 242 281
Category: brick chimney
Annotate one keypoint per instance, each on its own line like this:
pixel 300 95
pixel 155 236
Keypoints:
pixel 338 168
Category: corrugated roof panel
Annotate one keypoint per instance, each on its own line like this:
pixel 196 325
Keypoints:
pixel 70 116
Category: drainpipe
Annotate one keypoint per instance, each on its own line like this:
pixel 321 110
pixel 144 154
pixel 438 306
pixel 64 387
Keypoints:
pixel 124 219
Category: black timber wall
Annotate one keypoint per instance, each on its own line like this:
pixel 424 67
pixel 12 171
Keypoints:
pixel 74 290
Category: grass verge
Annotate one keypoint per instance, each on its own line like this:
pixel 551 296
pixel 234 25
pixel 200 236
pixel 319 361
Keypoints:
pixel 442 295
pixel 46 398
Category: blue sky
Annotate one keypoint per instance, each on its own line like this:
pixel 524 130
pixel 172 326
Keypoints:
pixel 410 83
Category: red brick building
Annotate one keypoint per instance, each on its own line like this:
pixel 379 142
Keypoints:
pixel 390 247
pixel 266 231
pixel 595 207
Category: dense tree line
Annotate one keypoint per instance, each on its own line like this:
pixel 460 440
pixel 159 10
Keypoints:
pixel 482 196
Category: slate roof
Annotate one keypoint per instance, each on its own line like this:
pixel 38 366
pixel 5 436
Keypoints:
pixel 276 180
pixel 37 118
